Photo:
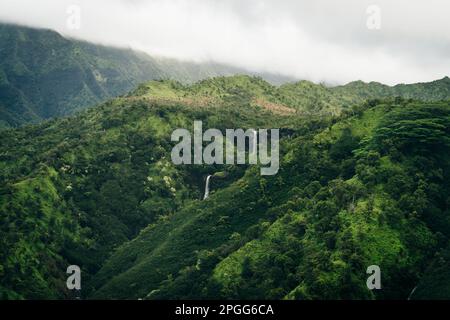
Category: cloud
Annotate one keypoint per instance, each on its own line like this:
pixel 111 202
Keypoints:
pixel 320 40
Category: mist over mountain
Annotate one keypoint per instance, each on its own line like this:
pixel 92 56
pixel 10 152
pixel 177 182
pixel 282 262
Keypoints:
pixel 44 75
pixel 320 41
pixel 87 176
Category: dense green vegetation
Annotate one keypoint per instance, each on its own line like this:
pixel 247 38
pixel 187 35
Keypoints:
pixel 366 186
pixel 435 282
pixel 345 198
pixel 96 181
pixel 301 98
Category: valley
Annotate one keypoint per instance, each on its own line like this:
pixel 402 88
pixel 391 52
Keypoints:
pixel 366 186
pixel 88 178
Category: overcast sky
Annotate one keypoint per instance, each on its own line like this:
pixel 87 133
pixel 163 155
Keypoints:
pixel 318 40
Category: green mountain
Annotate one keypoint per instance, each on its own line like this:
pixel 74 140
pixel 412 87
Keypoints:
pixel 44 75
pixel 332 100
pixel 370 189
pixel 301 98
pixel 360 183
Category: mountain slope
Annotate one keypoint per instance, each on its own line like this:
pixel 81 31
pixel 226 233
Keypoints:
pixel 301 98
pixel 44 75
pixel 99 190
pixel 425 91
pixel 73 189
pixel 368 190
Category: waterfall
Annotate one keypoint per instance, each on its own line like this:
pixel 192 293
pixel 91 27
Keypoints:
pixel 412 292
pixel 207 187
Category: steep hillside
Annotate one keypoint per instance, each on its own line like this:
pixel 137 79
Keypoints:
pixel 74 189
pixel 43 74
pixel 99 190
pixel 301 98
pixel 371 189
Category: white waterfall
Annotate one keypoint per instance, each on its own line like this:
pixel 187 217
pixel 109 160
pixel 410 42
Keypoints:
pixel 207 187
pixel 412 292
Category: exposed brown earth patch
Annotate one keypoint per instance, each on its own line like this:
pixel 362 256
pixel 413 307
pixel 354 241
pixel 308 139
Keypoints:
pixel 274 107
pixel 187 101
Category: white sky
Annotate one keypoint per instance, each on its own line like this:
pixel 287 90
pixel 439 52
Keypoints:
pixel 318 40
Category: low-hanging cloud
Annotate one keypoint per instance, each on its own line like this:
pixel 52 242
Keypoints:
pixel 320 40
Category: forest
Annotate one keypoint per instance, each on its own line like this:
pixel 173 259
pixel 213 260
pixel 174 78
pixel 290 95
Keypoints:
pixel 363 180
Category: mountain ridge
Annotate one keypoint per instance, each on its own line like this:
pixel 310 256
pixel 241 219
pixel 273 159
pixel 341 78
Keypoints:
pixel 43 74
pixel 302 97
pixel 65 75
pixel 98 190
